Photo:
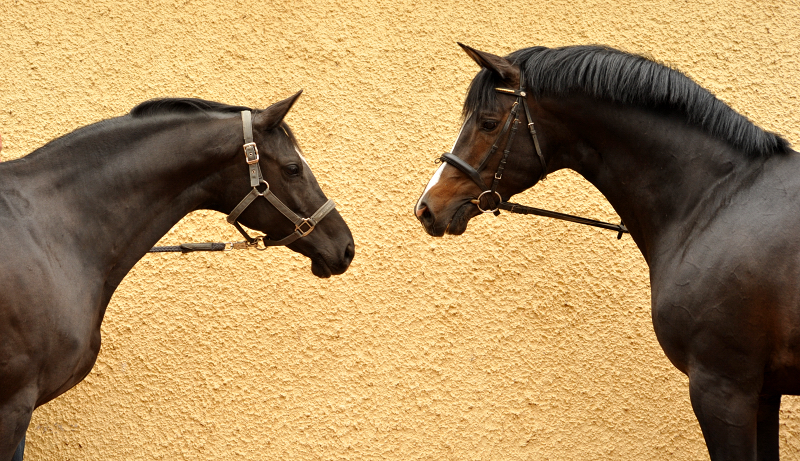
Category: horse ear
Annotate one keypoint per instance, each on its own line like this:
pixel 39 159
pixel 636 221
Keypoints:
pixel 273 115
pixel 497 64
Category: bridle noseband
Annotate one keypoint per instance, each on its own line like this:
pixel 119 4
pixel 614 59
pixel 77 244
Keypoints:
pixel 302 226
pixel 512 121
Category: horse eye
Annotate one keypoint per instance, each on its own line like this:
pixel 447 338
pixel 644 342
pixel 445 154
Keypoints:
pixel 292 170
pixel 489 125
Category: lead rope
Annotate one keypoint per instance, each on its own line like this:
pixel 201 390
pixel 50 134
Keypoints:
pixel 191 247
pixel 522 209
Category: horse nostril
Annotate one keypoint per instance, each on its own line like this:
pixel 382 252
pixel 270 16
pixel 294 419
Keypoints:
pixel 349 253
pixel 422 208
pixel 424 214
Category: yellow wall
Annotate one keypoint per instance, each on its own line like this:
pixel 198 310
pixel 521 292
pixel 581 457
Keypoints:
pixel 523 339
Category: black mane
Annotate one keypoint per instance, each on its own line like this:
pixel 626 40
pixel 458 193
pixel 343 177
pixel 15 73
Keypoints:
pixel 612 75
pixel 182 106
pixel 185 106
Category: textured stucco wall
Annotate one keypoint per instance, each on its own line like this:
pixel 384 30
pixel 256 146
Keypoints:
pixel 522 339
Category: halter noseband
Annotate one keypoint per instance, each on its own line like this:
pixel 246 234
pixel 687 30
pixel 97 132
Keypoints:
pixel 302 226
pixel 512 121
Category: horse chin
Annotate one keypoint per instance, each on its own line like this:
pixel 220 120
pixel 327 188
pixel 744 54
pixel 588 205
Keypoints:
pixel 325 266
pixel 320 268
pixel 458 225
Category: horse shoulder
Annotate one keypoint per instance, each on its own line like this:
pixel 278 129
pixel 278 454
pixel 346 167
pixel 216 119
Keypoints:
pixel 38 292
pixel 733 283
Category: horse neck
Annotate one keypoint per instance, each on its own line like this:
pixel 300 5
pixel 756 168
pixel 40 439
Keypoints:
pixel 657 172
pixel 117 188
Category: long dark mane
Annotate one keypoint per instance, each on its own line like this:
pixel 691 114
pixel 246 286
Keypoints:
pixel 624 78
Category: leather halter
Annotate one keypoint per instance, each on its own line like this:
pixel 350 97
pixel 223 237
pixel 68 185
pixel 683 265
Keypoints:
pixel 302 226
pixel 512 121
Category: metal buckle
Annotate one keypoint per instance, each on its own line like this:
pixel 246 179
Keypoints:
pixel 303 233
pixel 248 245
pixel 261 241
pixel 250 149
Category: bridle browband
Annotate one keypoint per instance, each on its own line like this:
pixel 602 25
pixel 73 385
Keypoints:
pixel 490 192
pixel 302 226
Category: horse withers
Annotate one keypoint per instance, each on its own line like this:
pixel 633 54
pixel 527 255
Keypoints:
pixel 79 212
pixel 710 199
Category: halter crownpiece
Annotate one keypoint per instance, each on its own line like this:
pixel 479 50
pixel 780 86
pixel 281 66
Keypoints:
pixel 302 226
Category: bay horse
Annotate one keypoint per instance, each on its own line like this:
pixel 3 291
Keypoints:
pixel 79 212
pixel 710 199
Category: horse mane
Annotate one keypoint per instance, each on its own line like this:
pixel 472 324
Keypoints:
pixel 186 106
pixel 165 106
pixel 608 74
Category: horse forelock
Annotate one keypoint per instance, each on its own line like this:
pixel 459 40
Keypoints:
pixel 612 75
pixel 481 94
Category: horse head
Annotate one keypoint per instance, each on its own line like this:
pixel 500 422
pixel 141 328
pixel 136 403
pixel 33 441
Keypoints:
pixel 495 153
pixel 296 213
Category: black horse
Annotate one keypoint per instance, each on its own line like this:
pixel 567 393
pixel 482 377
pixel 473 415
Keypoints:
pixel 711 200
pixel 78 213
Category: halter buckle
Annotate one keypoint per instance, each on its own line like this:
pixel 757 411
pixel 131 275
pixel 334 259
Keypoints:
pixel 299 227
pixel 251 153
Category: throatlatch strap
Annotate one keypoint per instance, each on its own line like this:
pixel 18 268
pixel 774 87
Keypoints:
pixel 246 201
pixel 535 140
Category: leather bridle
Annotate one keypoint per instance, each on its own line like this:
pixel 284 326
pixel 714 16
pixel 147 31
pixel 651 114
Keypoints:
pixel 490 192
pixel 302 226
pixel 512 121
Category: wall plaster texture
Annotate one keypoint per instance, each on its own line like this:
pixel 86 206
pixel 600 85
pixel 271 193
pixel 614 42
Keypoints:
pixel 523 339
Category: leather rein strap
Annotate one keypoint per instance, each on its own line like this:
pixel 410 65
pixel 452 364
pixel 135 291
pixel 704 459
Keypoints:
pixel 302 226
pixel 494 200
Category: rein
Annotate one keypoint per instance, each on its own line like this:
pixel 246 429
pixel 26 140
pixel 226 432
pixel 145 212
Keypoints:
pixel 493 200
pixel 302 226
